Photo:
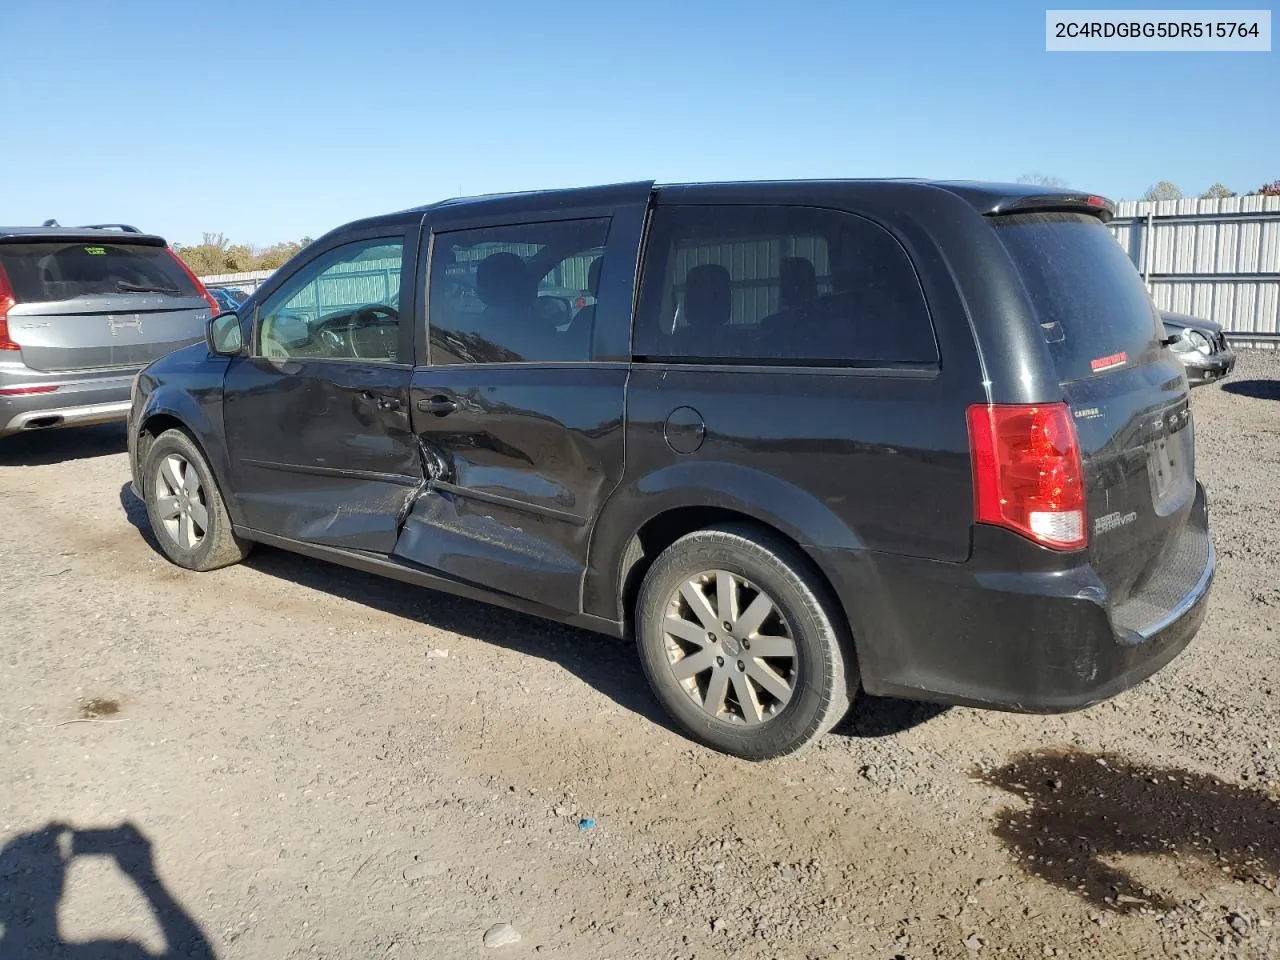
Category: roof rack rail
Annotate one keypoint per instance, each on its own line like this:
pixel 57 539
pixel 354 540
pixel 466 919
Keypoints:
pixel 110 226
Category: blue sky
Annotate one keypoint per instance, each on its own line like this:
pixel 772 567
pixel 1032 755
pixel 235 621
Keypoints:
pixel 273 120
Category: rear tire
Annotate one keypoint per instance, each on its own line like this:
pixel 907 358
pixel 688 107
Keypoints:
pixel 741 643
pixel 185 507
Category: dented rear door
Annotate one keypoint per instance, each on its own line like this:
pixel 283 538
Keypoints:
pixel 519 410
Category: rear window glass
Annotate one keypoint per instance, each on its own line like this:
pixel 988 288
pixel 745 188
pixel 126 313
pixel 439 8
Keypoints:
pixel 41 272
pixel 1091 303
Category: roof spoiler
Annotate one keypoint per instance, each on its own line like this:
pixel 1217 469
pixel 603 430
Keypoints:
pixel 1100 207
pixel 109 226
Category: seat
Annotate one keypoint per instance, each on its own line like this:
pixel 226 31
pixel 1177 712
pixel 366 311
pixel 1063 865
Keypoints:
pixel 583 322
pixel 508 293
pixel 706 309
pixel 503 283
pixel 797 282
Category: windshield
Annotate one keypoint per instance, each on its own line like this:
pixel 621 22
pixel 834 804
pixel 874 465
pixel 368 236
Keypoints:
pixel 40 272
pixel 1091 303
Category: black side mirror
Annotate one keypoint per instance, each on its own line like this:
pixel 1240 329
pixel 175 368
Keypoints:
pixel 223 335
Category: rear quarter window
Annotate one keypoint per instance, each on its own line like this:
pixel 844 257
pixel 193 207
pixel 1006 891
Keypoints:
pixel 41 272
pixel 779 285
pixel 1091 303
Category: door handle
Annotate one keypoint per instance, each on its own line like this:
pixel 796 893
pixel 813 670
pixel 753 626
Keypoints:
pixel 440 406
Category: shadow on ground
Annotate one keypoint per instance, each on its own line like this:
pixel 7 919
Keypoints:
pixel 609 665
pixel 874 717
pixel 1254 389
pixel 43 447
pixel 33 869
pixel 1083 809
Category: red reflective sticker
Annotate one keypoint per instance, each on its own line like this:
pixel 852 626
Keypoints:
pixel 1113 360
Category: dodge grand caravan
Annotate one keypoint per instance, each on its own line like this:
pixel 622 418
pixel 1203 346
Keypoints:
pixel 82 309
pixel 915 438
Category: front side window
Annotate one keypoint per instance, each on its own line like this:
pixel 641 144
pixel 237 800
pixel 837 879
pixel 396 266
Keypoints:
pixel 779 285
pixel 515 294
pixel 343 306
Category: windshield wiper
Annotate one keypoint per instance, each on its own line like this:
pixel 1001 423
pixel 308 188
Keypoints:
pixel 128 287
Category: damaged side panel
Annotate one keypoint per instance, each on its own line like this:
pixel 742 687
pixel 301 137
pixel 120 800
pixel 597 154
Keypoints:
pixel 477 547
pixel 516 473
pixel 322 452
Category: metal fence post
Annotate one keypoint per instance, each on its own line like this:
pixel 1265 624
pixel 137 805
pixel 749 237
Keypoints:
pixel 1148 248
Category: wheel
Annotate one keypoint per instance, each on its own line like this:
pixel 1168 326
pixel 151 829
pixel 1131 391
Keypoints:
pixel 186 510
pixel 740 643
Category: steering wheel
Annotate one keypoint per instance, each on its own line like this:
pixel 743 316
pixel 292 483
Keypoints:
pixel 369 316
pixel 336 342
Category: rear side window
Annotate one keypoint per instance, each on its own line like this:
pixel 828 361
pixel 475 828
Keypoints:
pixel 775 284
pixel 512 294
pixel 41 272
pixel 1091 303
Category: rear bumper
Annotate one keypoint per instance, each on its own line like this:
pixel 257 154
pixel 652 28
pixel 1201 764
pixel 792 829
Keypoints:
pixel 73 403
pixel 1036 642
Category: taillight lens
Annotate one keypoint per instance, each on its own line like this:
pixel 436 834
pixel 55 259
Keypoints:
pixel 7 303
pixel 1027 473
pixel 205 295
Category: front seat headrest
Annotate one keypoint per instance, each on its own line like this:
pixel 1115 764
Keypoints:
pixel 503 281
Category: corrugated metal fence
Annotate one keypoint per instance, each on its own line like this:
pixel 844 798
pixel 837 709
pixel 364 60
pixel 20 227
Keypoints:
pixel 241 281
pixel 1216 259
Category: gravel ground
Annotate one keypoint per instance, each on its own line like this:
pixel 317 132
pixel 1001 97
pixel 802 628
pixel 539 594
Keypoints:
pixel 288 759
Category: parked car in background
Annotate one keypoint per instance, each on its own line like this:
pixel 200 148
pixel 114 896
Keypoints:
pixel 1200 345
pixel 227 298
pixel 918 439
pixel 82 309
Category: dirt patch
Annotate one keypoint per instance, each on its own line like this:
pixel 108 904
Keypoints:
pixel 98 707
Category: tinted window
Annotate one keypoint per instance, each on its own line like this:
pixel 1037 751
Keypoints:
pixel 1090 300
pixel 41 272
pixel 346 305
pixel 515 293
pixel 779 284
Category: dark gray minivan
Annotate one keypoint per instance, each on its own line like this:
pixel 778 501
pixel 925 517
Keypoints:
pixel 918 439
pixel 82 309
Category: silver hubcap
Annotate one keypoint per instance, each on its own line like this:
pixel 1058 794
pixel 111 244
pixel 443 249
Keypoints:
pixel 730 648
pixel 180 502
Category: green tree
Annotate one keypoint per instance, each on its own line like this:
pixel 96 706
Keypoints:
pixel 240 257
pixel 215 254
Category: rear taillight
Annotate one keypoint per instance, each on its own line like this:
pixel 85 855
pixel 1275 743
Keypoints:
pixel 205 295
pixel 7 303
pixel 1027 474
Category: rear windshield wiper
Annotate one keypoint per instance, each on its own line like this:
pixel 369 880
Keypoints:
pixel 128 287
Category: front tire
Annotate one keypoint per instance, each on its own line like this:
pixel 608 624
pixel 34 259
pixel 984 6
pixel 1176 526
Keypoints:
pixel 185 507
pixel 741 644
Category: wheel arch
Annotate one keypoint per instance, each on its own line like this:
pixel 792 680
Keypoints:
pixel 159 416
pixel 643 519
